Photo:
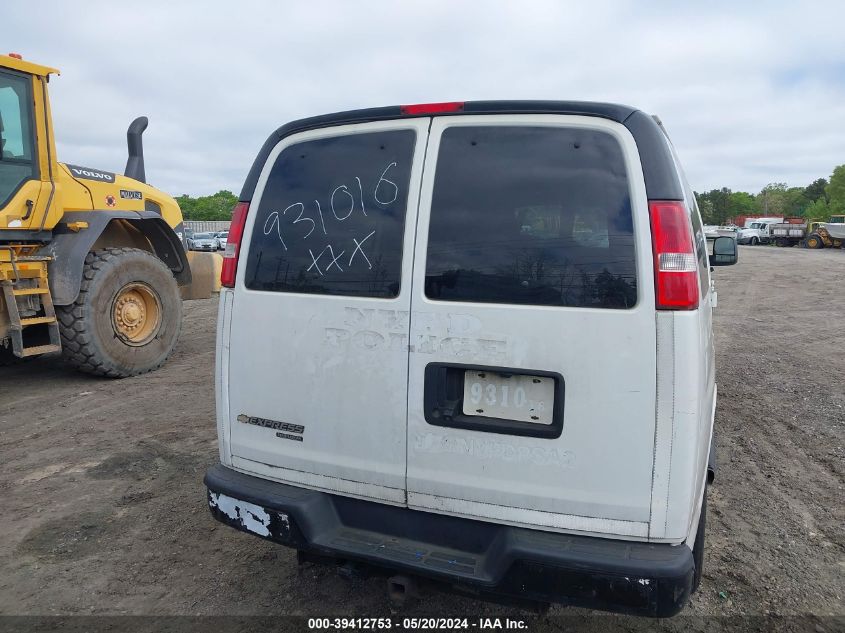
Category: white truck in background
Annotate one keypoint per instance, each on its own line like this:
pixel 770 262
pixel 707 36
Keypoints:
pixel 789 233
pixel 757 230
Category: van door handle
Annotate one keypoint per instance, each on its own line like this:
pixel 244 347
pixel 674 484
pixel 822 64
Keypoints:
pixel 30 205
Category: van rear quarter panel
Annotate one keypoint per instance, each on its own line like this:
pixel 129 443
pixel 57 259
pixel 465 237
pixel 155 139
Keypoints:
pixel 686 389
pixel 221 374
pixel 685 401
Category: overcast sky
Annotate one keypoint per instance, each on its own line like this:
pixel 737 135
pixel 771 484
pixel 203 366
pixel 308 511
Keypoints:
pixel 750 94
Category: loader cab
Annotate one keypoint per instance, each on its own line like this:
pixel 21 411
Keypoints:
pixel 36 190
pixel 17 146
pixel 454 338
pixel 28 153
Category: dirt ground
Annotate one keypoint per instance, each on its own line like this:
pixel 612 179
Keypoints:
pixel 104 511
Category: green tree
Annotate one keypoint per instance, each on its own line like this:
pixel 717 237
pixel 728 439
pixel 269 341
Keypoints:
pixel 217 206
pixel 741 203
pixel 835 190
pixel 715 205
pixel 795 201
pixel 705 206
pixel 815 190
pixel 772 199
pixel 817 200
pixel 818 210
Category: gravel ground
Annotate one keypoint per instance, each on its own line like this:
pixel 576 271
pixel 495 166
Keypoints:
pixel 105 514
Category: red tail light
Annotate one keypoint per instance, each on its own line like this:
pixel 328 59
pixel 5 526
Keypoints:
pixel 675 264
pixel 432 108
pixel 233 245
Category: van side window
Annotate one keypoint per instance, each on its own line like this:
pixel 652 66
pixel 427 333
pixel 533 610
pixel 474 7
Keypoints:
pixel 332 217
pixel 531 215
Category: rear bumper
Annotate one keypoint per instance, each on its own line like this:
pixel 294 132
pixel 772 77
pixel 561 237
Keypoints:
pixel 511 562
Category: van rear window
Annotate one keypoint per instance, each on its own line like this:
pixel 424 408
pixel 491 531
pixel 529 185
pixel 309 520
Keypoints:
pixel 531 215
pixel 332 216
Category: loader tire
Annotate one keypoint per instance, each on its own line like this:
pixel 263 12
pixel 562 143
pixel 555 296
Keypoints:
pixel 127 317
pixel 814 241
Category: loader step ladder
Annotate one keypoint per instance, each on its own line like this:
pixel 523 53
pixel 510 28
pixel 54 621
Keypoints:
pixel 12 289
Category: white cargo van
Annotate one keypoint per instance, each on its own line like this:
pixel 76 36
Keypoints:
pixel 472 342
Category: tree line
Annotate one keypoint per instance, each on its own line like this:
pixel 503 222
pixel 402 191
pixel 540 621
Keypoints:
pixel 817 201
pixel 217 206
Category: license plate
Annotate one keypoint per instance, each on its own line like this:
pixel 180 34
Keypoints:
pixel 511 397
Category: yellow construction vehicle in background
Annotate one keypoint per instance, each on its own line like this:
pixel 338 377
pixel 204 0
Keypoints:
pixel 830 234
pixel 90 261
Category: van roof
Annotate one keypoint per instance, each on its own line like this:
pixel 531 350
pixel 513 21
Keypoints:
pixel 661 179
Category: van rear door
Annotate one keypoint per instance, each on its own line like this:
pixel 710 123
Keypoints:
pixel 532 364
pixel 318 362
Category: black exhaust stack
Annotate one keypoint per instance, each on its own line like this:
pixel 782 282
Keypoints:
pixel 135 162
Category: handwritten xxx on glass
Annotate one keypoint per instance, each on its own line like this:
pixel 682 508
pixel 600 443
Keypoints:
pixel 343 204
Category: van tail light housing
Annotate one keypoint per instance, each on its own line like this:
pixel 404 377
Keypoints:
pixel 233 245
pixel 432 108
pixel 675 263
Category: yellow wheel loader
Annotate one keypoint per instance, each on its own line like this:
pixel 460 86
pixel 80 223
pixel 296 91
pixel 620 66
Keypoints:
pixel 90 261
pixel 829 234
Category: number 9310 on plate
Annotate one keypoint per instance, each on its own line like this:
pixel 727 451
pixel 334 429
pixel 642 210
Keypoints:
pixel 517 397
